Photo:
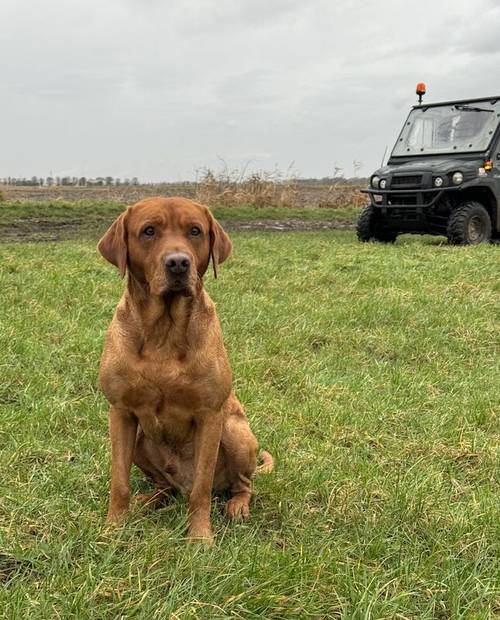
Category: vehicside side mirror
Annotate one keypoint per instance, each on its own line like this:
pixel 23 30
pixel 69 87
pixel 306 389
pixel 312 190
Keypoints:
pixel 498 155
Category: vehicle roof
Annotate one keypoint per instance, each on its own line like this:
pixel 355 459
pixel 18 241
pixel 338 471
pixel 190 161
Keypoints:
pixel 433 105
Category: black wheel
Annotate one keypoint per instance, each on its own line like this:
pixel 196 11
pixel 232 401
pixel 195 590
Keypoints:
pixel 469 224
pixel 371 228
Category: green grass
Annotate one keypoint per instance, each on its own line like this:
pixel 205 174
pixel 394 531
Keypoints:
pixel 371 373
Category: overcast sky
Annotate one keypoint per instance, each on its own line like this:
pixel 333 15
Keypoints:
pixel 159 89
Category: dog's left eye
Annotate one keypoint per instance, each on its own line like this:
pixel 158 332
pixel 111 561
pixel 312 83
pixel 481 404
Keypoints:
pixel 195 231
pixel 149 231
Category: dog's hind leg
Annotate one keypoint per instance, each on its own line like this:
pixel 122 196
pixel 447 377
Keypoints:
pixel 240 454
pixel 238 507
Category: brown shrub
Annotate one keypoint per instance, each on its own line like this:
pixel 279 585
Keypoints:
pixel 272 189
pixel 337 196
pixel 258 189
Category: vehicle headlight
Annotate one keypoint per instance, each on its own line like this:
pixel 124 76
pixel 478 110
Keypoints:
pixel 375 181
pixel 457 178
pixel 438 181
pixel 383 183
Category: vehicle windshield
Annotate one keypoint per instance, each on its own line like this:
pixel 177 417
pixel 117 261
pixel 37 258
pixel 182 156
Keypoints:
pixel 462 127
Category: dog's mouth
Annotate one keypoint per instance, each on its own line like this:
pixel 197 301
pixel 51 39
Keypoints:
pixel 166 285
pixel 178 286
pixel 181 285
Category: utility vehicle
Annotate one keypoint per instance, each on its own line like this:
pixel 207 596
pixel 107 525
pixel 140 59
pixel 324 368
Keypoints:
pixel 442 177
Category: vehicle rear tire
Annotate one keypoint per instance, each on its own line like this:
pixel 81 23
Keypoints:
pixel 371 228
pixel 469 224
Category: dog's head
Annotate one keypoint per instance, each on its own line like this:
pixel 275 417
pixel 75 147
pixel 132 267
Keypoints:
pixel 166 243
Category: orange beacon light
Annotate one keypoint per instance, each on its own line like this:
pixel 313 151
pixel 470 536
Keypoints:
pixel 420 90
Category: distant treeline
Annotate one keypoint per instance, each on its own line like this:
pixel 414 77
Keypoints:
pixel 117 182
pixel 68 181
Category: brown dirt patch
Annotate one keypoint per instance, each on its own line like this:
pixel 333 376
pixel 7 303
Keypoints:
pixel 38 230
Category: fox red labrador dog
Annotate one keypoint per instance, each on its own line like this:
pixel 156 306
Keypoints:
pixel 164 368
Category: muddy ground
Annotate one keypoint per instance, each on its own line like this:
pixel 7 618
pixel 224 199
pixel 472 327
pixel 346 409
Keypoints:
pixel 36 229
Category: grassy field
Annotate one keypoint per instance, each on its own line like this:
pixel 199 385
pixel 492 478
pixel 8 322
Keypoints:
pixel 370 372
pixel 212 188
pixel 11 212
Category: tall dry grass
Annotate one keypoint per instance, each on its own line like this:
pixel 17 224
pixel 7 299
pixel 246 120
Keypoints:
pixel 233 188
pixel 336 196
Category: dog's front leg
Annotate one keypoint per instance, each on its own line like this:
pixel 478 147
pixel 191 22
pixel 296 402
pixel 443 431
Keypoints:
pixel 207 439
pixel 122 431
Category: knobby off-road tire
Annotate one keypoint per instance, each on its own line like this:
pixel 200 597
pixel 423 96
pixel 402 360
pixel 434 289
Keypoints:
pixel 369 228
pixel 469 224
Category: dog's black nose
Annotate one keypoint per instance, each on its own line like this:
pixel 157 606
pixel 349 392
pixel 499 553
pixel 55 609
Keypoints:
pixel 177 263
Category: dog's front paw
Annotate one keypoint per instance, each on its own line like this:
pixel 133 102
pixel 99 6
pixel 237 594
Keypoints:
pixel 116 517
pixel 200 533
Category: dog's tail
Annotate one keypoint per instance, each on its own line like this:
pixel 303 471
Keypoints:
pixel 267 463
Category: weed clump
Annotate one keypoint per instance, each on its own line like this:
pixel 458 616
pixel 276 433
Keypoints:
pixel 258 189
pixel 234 188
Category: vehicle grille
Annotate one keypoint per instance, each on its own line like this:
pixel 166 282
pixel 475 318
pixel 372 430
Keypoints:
pixel 403 199
pixel 414 180
pixel 406 214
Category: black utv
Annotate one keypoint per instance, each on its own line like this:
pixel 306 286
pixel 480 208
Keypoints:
pixel 442 178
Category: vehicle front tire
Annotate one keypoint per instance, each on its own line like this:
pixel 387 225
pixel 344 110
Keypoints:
pixel 469 224
pixel 371 228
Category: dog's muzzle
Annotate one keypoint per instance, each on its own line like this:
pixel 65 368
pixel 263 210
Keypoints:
pixel 177 267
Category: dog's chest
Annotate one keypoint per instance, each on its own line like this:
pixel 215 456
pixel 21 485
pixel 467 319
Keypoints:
pixel 172 382
pixel 163 381
pixel 166 386
pixel 169 396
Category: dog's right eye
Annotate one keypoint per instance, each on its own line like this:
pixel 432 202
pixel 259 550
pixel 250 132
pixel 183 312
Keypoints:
pixel 149 231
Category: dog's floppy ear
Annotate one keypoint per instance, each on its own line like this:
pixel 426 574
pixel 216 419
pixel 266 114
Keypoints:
pixel 113 245
pixel 220 243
